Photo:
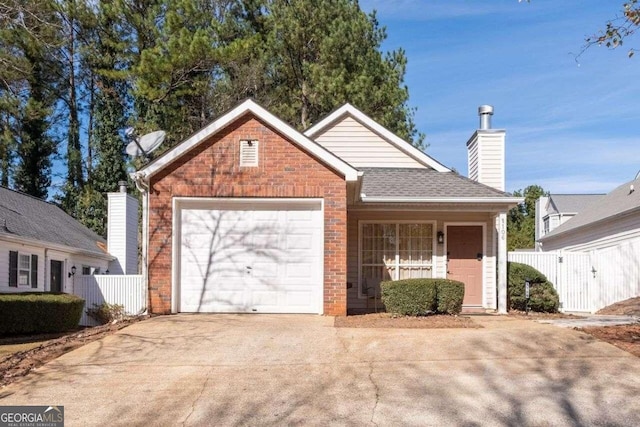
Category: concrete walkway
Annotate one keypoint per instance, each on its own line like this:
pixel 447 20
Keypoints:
pixel 592 320
pixel 226 370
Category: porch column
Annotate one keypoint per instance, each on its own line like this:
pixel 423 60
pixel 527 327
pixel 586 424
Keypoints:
pixel 501 231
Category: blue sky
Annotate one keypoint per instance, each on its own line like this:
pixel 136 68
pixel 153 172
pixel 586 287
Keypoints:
pixel 572 126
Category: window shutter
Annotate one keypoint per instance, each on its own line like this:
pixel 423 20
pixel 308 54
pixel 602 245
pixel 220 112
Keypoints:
pixel 13 269
pixel 249 153
pixel 34 271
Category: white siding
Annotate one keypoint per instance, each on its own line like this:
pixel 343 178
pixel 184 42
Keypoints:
pixel 44 262
pixel 122 233
pixel 5 248
pixel 472 159
pixel 596 236
pixel 486 157
pixel 451 218
pixel 361 147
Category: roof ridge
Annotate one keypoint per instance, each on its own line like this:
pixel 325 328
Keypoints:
pixel 29 195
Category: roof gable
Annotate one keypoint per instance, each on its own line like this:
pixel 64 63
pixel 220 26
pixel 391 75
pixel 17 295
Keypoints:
pixel 28 218
pixel 251 107
pixel 398 144
pixel 571 203
pixel 620 201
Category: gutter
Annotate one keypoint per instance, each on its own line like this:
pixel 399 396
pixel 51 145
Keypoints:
pixel 464 200
pixel 142 184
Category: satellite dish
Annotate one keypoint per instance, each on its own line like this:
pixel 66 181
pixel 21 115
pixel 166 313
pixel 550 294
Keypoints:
pixel 144 145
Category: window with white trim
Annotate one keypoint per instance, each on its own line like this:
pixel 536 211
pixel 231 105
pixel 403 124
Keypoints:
pixel 394 251
pixel 88 270
pixel 24 270
pixel 248 153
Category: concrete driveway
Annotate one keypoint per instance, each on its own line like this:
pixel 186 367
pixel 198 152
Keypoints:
pixel 299 370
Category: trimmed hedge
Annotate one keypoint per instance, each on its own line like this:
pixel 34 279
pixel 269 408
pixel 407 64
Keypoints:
pixel 542 295
pixel 37 312
pixel 450 295
pixel 419 297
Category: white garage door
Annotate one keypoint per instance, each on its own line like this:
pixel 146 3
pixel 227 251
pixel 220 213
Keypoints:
pixel 251 256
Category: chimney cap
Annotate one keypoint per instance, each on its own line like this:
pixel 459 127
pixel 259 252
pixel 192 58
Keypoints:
pixel 123 186
pixel 485 109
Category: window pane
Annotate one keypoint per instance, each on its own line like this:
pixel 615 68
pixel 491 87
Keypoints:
pixel 25 262
pixel 415 272
pixel 416 241
pixel 23 277
pixel 378 243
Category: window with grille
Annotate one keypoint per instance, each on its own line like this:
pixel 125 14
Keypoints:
pixel 249 153
pixel 395 251
pixel 24 270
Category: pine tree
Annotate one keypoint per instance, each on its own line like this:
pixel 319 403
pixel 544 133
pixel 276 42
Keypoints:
pixel 318 54
pixel 28 38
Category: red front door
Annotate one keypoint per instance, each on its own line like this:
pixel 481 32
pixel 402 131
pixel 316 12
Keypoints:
pixel 464 255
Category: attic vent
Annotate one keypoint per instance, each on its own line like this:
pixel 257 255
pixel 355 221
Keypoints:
pixel 249 153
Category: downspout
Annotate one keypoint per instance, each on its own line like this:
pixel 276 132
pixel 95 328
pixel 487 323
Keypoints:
pixel 139 178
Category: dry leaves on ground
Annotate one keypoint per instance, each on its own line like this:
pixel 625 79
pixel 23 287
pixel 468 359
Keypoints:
pixel 626 337
pixel 387 320
pixel 17 365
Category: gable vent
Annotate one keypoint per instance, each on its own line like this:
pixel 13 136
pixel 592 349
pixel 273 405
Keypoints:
pixel 249 153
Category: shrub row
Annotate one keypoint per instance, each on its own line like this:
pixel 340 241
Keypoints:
pixel 32 312
pixel 418 297
pixel 542 295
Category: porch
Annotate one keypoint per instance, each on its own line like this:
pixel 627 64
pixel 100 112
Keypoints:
pixel 403 243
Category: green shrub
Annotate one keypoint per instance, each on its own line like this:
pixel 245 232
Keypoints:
pixel 33 313
pixel 411 297
pixel 450 295
pixel 106 313
pixel 542 295
pixel 419 297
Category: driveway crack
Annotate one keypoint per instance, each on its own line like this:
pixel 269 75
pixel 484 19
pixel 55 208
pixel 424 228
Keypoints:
pixel 377 390
pixel 195 401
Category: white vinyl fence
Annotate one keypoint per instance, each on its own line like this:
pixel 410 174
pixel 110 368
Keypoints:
pixel 589 281
pixel 126 290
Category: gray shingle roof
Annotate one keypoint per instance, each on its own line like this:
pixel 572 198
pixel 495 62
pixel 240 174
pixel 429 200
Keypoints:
pixel 423 183
pixel 619 201
pixel 32 218
pixel 571 203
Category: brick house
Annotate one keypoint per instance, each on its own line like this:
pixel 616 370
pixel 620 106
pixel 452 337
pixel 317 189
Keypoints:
pixel 250 215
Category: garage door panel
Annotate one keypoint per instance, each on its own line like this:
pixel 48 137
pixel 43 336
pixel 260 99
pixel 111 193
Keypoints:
pixel 252 260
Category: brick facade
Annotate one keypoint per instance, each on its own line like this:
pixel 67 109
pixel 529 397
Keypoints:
pixel 212 170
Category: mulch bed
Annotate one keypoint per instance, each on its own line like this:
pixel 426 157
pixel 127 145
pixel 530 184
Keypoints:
pixel 626 337
pixel 387 320
pixel 17 365
pixel 629 307
pixel 540 316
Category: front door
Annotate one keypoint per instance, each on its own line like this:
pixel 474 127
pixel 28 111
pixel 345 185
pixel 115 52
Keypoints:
pixel 464 261
pixel 56 276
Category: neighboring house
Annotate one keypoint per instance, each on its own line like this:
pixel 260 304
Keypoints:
pixel 556 209
pixel 42 248
pixel 250 215
pixel 611 220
